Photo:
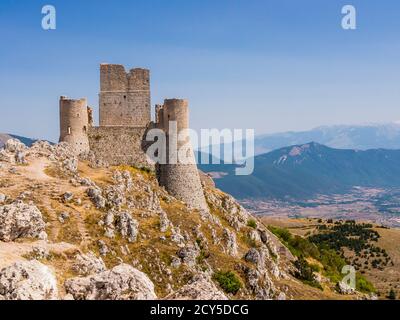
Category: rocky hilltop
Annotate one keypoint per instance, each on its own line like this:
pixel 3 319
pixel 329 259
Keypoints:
pixel 79 229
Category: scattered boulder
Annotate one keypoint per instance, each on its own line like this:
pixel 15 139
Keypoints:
pixel 281 296
pixel 123 282
pixel 264 236
pixel 28 280
pixel 70 165
pixel 164 222
pixel 127 226
pixel 199 288
pixel 253 256
pixel 344 288
pixel 254 236
pixel 2 198
pixel 188 255
pixel 14 146
pixel 103 249
pixel 115 196
pixel 63 216
pixel 68 196
pixel 40 253
pixel 5 156
pixel 20 157
pixel 259 284
pixel 177 237
pixel 230 242
pixel 128 180
pixel 175 262
pixel 372 296
pixel 95 194
pixel 20 220
pixel 108 223
pixel 85 182
pixel 86 264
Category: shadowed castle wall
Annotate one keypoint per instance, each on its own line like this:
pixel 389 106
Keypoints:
pixel 181 180
pixel 74 124
pixel 124 97
pixel 119 145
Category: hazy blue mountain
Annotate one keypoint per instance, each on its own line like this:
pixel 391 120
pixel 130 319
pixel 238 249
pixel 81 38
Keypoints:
pixel 361 137
pixel 303 171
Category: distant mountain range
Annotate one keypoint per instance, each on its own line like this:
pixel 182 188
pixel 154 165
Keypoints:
pixel 306 170
pixel 360 137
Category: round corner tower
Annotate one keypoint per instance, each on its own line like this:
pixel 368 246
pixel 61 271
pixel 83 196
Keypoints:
pixel 180 177
pixel 74 124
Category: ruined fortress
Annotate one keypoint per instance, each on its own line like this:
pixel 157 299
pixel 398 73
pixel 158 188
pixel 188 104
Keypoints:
pixel 125 118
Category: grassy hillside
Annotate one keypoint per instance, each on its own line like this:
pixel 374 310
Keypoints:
pixel 372 250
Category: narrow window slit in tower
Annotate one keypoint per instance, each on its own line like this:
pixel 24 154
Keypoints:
pixel 69 130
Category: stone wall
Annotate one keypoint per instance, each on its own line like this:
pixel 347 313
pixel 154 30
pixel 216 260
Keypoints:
pixel 119 145
pixel 124 97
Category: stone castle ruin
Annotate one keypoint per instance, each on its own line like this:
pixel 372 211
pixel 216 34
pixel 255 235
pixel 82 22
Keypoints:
pixel 125 118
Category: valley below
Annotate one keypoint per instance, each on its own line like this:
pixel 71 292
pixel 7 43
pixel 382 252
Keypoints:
pixel 376 205
pixel 380 266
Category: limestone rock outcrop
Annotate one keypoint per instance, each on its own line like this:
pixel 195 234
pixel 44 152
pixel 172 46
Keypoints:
pixel 123 282
pixel 200 288
pixel 344 288
pixel 86 264
pixel 188 255
pixel 20 220
pixel 123 222
pixel 95 194
pixel 14 146
pixel 230 242
pixel 28 280
pixel 124 216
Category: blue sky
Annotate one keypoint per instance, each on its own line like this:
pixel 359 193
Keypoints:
pixel 269 65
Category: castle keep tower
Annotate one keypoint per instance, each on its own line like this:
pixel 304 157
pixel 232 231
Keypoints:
pixel 125 121
pixel 124 97
pixel 181 178
pixel 74 123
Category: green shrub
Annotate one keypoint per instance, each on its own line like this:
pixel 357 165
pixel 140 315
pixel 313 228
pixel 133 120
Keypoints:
pixel 303 247
pixel 281 233
pixel 297 245
pixel 392 295
pixel 252 223
pixel 363 285
pixel 305 273
pixel 315 267
pixel 228 281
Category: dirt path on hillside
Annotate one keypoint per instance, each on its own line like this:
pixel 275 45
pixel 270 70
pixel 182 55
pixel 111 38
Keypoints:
pixel 11 252
pixel 36 170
